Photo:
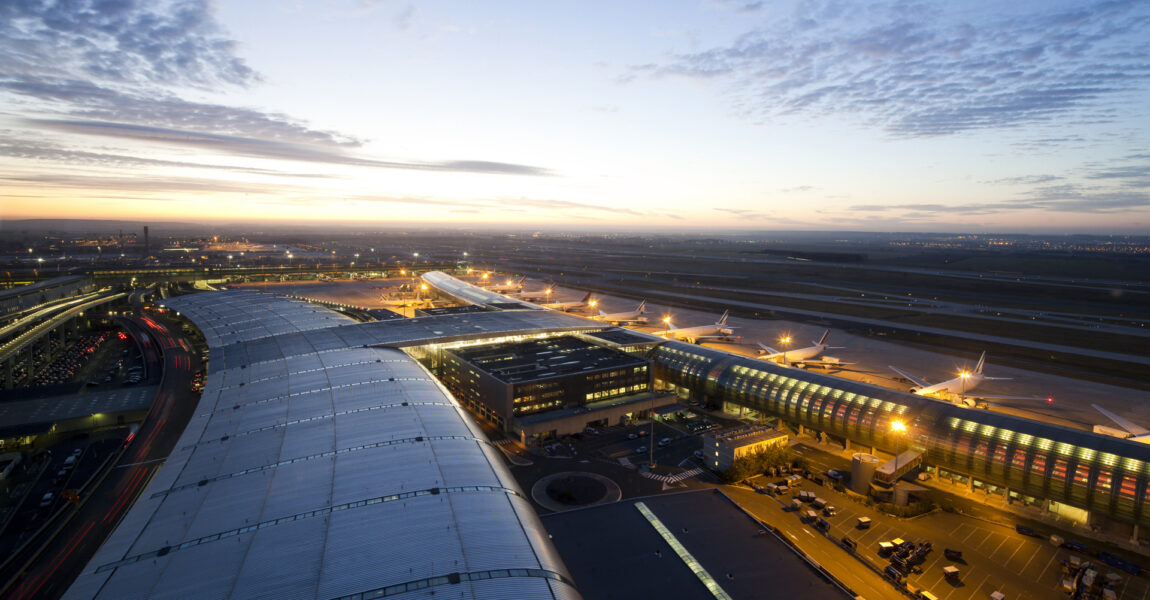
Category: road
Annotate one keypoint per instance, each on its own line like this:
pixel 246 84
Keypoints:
pixel 101 510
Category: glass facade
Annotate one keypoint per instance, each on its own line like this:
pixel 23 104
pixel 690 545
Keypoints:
pixel 1080 468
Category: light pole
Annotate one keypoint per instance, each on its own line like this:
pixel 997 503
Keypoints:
pixel 785 341
pixel 963 375
pixel 897 428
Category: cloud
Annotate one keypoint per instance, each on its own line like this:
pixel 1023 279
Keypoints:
pixel 116 68
pixel 127 41
pixel 88 100
pixel 16 147
pixel 521 204
pixel 919 70
pixel 743 213
pixel 1071 198
pixel 1024 180
pixel 561 204
pixel 140 183
pixel 272 149
pixel 799 188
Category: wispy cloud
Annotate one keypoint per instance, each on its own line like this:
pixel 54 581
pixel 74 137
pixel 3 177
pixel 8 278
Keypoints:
pixel 917 70
pixel 126 41
pixel 743 213
pixel 146 184
pixel 1024 180
pixel 272 149
pixel 17 147
pixel 118 69
pixel 1070 198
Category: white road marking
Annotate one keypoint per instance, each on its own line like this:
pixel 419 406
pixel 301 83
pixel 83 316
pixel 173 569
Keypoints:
pixel 993 552
pixel 1048 563
pixel 1024 567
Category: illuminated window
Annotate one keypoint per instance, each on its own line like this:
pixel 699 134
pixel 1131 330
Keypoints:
pixel 1103 482
pixel 1038 465
pixel 1128 490
pixel 1082 476
pixel 1019 460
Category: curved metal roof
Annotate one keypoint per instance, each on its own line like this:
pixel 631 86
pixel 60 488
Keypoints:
pixel 323 471
pixel 929 411
pixel 465 292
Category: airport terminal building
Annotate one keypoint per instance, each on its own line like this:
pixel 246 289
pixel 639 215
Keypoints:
pixel 326 460
pixel 1074 473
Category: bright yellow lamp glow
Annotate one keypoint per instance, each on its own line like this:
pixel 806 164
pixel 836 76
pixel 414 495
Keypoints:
pixel 897 426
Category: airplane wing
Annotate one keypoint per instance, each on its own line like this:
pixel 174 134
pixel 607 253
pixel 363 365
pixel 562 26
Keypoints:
pixel 990 397
pixel 767 349
pixel 917 381
pixel 1123 423
pixel 707 338
pixel 821 363
pixel 985 378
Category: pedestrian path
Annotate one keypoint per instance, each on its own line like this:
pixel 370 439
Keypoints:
pixel 674 478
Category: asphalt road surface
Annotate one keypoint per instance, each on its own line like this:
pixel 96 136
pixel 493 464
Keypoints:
pixel 101 510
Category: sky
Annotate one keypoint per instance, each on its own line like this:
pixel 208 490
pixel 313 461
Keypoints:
pixel 1025 116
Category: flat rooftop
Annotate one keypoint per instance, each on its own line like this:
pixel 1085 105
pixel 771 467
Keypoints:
pixel 747 434
pixel 626 337
pixel 451 310
pixel 614 551
pixel 516 362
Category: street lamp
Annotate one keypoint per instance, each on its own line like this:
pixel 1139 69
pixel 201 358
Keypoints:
pixel 784 342
pixel 963 375
pixel 897 428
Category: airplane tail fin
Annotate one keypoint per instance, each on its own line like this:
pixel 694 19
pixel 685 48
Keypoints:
pixel 587 297
pixel 823 340
pixel 723 320
pixel 642 308
pixel 981 362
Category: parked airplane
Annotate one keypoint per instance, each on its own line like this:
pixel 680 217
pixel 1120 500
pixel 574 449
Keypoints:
pixel 508 286
pixel 959 388
pixel 1135 432
pixel 693 335
pixel 404 302
pixel 624 318
pixel 586 302
pixel 534 295
pixel 803 357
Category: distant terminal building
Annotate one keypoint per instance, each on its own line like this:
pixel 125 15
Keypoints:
pixel 1075 474
pixel 26 296
pixel 722 448
pixel 510 382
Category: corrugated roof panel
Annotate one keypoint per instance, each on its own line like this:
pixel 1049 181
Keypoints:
pixel 278 566
pixel 205 571
pixel 297 488
pixel 389 543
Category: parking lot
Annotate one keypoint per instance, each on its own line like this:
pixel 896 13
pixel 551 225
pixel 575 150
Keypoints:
pixel 994 557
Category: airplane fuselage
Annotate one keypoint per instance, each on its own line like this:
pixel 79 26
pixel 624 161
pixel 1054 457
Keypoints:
pixel 797 354
pixel 690 334
pixel 951 387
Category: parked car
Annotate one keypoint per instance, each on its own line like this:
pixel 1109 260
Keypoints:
pixel 640 449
